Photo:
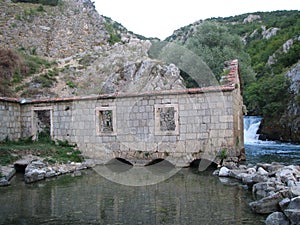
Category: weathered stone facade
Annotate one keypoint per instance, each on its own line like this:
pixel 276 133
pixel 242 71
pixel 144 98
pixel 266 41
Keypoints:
pixel 177 125
pixel 10 121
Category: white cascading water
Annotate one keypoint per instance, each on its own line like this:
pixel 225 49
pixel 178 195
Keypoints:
pixel 267 151
pixel 251 126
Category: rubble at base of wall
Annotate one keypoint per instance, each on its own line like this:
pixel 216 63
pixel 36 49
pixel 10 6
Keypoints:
pixel 7 173
pixel 37 170
pixel 275 188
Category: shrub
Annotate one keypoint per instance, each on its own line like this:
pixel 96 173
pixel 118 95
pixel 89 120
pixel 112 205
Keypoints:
pixel 114 37
pixel 268 96
pixel 44 80
pixel 71 84
pixel 11 67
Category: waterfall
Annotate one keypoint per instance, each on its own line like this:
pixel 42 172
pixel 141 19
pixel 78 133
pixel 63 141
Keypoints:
pixel 251 126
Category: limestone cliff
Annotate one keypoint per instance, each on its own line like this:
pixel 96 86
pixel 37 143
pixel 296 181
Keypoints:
pixel 89 53
pixel 287 128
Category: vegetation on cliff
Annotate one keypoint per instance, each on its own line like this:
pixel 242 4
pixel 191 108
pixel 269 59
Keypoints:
pixel 15 66
pixel 267 45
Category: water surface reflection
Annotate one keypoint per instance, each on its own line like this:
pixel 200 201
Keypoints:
pixel 188 197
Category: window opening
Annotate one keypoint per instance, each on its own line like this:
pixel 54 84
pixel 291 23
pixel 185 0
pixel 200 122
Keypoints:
pixel 106 120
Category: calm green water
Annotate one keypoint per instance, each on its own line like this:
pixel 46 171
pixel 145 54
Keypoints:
pixel 188 197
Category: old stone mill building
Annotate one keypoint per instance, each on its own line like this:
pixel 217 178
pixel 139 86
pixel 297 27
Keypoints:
pixel 177 125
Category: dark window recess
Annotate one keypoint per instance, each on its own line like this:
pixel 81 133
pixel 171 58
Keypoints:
pixel 106 121
pixel 43 123
pixel 167 119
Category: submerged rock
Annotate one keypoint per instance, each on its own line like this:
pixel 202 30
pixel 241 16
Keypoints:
pixel 7 172
pixel 267 204
pixel 293 211
pixel 4 182
pixel 277 218
pixel 263 189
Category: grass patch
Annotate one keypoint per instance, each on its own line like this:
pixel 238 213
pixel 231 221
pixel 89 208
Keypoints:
pixel 60 152
pixel 7 157
pixel 71 84
pixel 46 79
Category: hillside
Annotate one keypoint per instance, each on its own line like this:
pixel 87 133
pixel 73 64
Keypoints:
pixel 69 49
pixel 270 74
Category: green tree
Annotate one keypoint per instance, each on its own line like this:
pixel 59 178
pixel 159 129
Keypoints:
pixel 268 96
pixel 215 44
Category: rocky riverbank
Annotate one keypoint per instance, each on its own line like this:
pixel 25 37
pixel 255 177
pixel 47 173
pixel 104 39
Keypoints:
pixel 275 188
pixel 37 169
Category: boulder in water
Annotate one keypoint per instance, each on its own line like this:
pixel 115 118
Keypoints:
pixel 277 218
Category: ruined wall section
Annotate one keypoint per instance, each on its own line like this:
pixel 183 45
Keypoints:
pixel 177 126
pixel 238 123
pixel 10 125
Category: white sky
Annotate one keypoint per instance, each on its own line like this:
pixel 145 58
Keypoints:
pixel 159 18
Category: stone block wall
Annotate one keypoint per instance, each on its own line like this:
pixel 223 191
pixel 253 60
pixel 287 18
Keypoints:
pixel 201 124
pixel 10 124
pixel 177 125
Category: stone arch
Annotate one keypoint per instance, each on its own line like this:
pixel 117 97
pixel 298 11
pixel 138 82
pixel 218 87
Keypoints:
pixel 118 165
pixel 160 161
pixel 203 164
pixel 122 160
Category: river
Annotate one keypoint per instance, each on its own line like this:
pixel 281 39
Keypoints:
pixel 267 151
pixel 188 197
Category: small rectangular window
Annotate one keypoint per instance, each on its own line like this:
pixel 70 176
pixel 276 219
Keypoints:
pixel 166 119
pixel 106 120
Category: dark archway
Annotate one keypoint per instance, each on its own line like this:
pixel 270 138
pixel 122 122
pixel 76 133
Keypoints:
pixel 159 166
pixel 119 165
pixel 203 164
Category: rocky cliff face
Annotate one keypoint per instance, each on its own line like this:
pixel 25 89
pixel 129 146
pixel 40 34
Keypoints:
pixel 56 32
pixel 287 128
pixel 92 54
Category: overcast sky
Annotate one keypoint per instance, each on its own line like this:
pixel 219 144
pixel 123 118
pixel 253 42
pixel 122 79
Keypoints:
pixel 159 18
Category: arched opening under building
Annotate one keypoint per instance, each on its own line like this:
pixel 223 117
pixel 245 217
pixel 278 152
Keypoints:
pixel 159 166
pixel 119 165
pixel 203 165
